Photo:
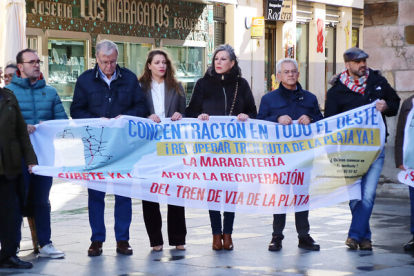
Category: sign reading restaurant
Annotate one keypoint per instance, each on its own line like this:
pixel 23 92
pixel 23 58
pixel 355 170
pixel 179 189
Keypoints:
pixel 278 10
pixel 132 12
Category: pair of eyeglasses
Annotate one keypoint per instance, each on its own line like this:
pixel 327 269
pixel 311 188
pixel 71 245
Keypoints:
pixel 34 62
pixel 293 72
pixel 106 63
pixel 8 76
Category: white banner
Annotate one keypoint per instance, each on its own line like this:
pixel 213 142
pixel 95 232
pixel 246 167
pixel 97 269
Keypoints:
pixel 407 177
pixel 221 164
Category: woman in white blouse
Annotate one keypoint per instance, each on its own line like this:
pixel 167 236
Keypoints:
pixel 166 99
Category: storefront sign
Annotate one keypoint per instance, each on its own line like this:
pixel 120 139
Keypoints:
pixel 157 18
pixel 279 10
pixel 257 27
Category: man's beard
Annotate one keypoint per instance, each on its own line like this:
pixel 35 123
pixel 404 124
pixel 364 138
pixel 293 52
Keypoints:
pixel 360 72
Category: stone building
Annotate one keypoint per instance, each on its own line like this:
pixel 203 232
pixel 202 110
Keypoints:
pixel 389 40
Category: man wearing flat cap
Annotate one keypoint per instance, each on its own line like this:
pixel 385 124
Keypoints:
pixel 359 85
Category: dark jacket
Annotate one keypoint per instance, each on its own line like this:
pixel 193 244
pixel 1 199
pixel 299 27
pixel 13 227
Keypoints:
pixel 340 98
pixel 173 101
pixel 38 102
pixel 213 94
pixel 399 135
pixel 14 138
pixel 93 98
pixel 293 103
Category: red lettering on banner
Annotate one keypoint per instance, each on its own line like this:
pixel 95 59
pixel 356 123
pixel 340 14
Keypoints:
pixel 306 200
pixel 281 199
pixel 154 188
pixel 193 162
pixel 111 175
pixel 85 176
pixel 100 176
pixel 214 195
pixel 118 175
pixel 252 199
pixel 240 199
pixel 271 200
pixel 161 188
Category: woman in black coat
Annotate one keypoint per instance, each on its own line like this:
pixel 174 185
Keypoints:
pixel 165 97
pixel 222 91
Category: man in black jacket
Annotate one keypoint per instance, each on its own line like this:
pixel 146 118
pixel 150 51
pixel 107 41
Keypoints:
pixel 359 85
pixel 108 91
pixel 284 105
pixel 14 144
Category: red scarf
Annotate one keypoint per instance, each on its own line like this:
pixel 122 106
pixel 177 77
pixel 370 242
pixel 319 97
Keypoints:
pixel 356 85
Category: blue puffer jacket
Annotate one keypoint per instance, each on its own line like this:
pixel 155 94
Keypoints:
pixel 39 102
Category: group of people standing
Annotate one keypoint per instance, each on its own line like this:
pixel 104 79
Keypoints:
pixel 109 91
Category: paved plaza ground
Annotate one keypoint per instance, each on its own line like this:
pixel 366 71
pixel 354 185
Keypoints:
pixel 252 234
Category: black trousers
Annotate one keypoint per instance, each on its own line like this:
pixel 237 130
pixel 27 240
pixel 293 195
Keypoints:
pixel 301 221
pixel 9 204
pixel 176 227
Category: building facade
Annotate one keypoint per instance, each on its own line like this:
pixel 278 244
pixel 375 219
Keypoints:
pixel 389 41
pixel 65 32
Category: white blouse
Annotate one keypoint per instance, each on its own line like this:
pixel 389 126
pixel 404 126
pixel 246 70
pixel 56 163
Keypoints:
pixel 158 94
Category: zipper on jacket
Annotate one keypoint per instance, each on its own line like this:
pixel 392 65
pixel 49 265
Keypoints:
pixel 225 100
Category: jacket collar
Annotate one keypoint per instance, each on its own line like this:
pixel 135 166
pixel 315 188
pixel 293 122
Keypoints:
pixel 25 82
pixel 96 72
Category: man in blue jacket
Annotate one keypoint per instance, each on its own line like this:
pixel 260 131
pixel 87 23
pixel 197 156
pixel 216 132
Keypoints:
pixel 284 105
pixel 108 91
pixel 38 102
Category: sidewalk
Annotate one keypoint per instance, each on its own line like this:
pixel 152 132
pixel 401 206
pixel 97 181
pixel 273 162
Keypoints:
pixel 252 234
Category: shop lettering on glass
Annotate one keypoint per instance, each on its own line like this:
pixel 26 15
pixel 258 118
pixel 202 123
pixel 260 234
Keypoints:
pixel 132 12
pixel 279 10
pixel 52 9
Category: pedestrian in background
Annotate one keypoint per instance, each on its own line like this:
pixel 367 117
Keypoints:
pixel 14 144
pixel 222 92
pixel 38 103
pixel 9 71
pixel 284 105
pixel 406 107
pixel 108 91
pixel 166 99
pixel 356 86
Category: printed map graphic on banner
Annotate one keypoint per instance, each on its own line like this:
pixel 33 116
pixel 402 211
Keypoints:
pixel 221 164
pixel 407 177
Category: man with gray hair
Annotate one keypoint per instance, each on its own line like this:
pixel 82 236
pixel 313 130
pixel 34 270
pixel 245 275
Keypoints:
pixel 108 91
pixel 285 105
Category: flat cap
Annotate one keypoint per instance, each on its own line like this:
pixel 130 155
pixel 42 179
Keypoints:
pixel 354 53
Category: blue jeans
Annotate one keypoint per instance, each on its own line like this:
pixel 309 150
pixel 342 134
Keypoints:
pixel 41 186
pixel 123 216
pixel 411 189
pixel 215 219
pixel 361 209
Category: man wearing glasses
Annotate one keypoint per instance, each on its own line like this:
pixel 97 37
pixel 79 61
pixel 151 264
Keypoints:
pixel 108 91
pixel 38 102
pixel 284 105
pixel 356 86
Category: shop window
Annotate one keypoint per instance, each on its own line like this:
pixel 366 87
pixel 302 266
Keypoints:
pixel 189 66
pixel 302 53
pixel 67 60
pixel 219 17
pixel 133 56
pixel 355 37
